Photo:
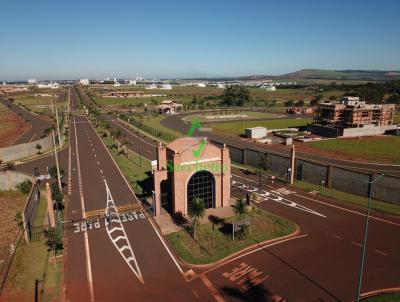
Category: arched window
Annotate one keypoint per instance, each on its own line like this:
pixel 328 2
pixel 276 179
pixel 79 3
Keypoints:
pixel 202 184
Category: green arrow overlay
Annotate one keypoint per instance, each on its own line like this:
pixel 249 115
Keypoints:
pixel 195 124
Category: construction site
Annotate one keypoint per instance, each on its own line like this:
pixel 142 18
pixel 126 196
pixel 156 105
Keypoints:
pixel 351 117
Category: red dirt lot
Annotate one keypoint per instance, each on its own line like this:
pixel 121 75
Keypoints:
pixel 11 126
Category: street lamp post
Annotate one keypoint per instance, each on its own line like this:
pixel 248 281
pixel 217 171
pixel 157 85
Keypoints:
pixel 372 183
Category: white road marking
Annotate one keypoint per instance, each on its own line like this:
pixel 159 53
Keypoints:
pixel 336 236
pixel 98 162
pixel 254 251
pixel 133 193
pixel 95 155
pixel 101 171
pixel 348 210
pixel 110 210
pixel 270 196
pixel 380 252
pixel 331 205
pixel 86 241
pixel 358 244
pixel 69 171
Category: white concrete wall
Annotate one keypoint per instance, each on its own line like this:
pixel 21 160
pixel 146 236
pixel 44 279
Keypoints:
pixel 367 130
pixel 9 179
pixel 20 151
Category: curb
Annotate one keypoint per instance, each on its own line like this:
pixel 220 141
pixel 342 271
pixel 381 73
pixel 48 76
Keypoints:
pixel 378 292
pixel 238 253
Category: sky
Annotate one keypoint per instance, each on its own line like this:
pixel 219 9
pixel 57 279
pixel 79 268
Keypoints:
pixel 46 39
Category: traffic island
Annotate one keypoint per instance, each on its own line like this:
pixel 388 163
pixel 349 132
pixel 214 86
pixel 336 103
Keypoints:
pixel 215 241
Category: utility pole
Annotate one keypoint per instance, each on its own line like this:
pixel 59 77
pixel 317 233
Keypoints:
pixel 58 167
pixel 140 155
pixel 371 191
pixel 58 129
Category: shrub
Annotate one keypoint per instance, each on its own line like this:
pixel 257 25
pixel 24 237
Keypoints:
pixel 25 186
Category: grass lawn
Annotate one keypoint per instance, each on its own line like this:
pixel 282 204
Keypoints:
pixel 264 226
pixel 379 148
pixel 396 119
pixel 376 205
pixel 31 263
pixel 390 297
pixel 11 203
pixel 237 128
pixel 222 115
pixel 155 122
pixel 130 165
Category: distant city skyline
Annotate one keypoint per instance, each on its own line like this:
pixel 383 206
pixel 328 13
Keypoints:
pixel 178 39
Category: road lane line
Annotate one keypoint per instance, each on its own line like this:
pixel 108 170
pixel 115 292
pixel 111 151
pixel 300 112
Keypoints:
pixel 381 253
pixel 211 288
pixel 133 193
pixel 358 244
pixel 331 205
pixel 348 210
pixel 254 251
pixel 336 236
pixel 85 234
pixel 69 171
pixel 166 247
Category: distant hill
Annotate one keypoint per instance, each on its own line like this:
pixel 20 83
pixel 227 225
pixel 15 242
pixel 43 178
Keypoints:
pixel 321 74
pixel 360 75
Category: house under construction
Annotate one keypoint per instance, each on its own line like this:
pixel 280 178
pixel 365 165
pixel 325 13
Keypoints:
pixel 352 117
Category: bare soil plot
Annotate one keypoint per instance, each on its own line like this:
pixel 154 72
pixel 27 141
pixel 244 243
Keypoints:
pixel 11 126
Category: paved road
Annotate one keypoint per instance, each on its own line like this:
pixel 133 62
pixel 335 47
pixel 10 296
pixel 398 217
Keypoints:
pixel 37 124
pixel 321 264
pixel 176 123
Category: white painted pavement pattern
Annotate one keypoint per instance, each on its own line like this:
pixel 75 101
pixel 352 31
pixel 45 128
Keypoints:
pixel 115 225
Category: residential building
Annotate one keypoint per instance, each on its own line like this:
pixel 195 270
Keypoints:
pixel 169 107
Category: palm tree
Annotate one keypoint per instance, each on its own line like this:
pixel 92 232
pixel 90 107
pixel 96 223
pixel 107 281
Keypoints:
pixel 239 208
pixel 196 212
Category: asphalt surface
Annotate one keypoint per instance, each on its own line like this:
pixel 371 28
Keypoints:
pixel 38 126
pixel 320 264
pixel 176 123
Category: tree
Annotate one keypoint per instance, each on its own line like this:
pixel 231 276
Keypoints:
pixel 299 103
pixel 53 241
pixel 315 101
pixel 196 212
pixel 56 193
pixel 239 208
pixel 235 96
pixel 25 186
pixel 264 163
pixel 53 172
pixel 289 103
pixel 38 147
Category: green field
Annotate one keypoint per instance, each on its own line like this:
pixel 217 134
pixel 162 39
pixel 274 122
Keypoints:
pixel 185 95
pixel 222 114
pixel 237 128
pixel 390 297
pixel 379 148
pixel 376 205
pixel 31 263
pixel 264 226
pixel 155 122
